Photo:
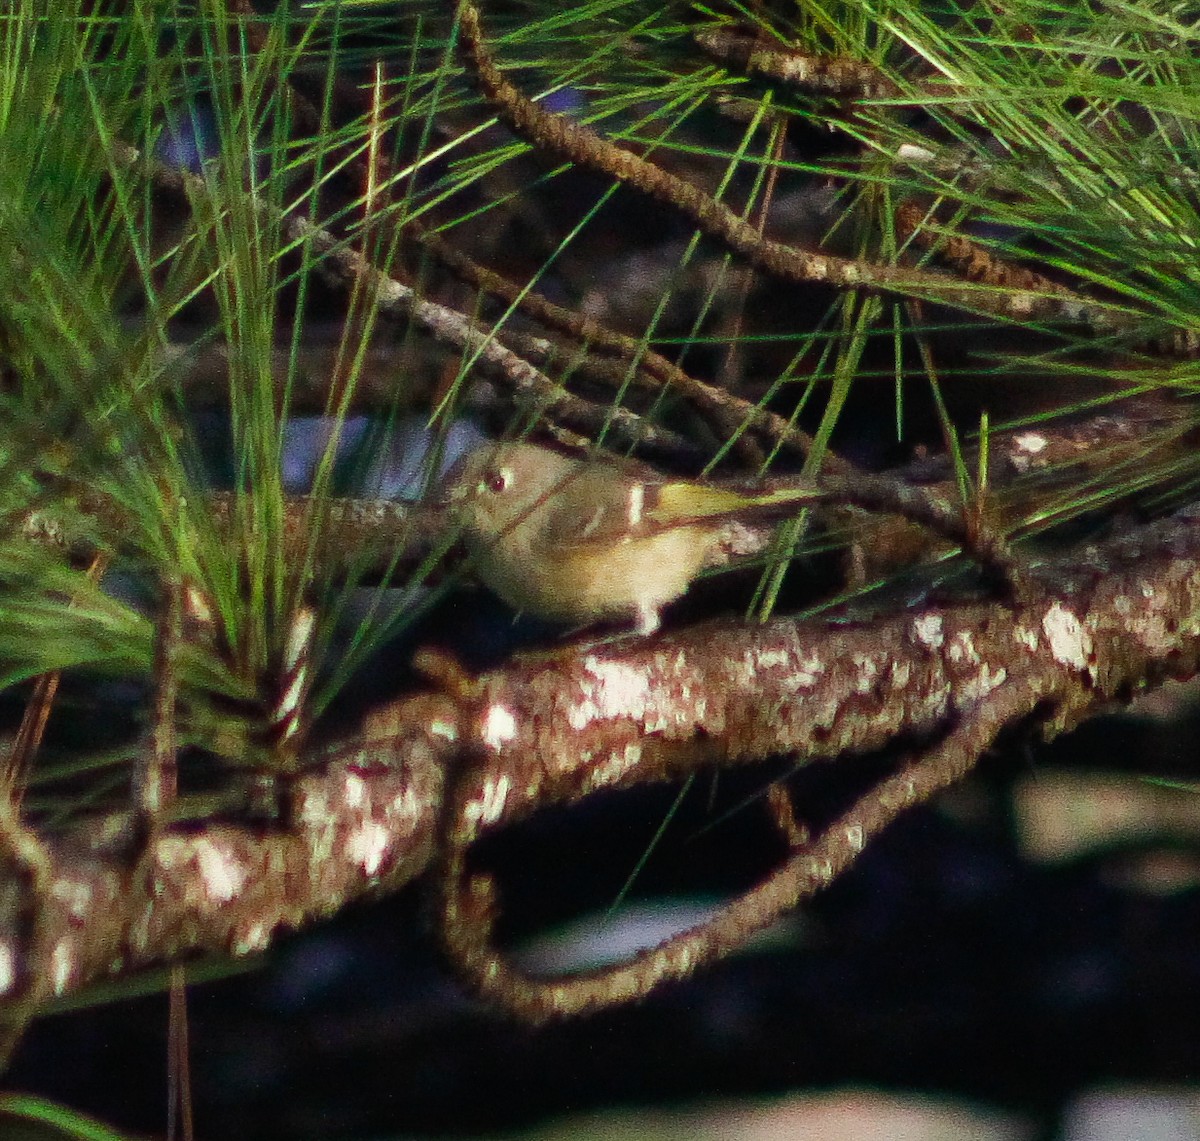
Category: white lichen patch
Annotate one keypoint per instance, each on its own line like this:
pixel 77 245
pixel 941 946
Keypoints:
pixel 978 687
pixel 355 789
pixel 901 674
pixel 222 874
pixel 447 730
pixel 911 152
pixel 249 940
pixel 1026 447
pixel 613 767
pixel 1069 642
pixel 139 927
pixel 792 69
pixel 962 649
pixel 367 845
pixel 315 815
pixel 1025 636
pixel 903 794
pixel 821 870
pixel 61 967
pixel 8 967
pixel 934 703
pixel 927 629
pixel 498 727
pixel 488 807
pixel 314 809
pixel 405 803
pixel 618 690
pixel 866 671
pixel 808 672
pixel 793 674
pixel 1156 633
pixel 699 703
pixel 855 838
pixel 1031 442
pixel 75 894
pixel 771 659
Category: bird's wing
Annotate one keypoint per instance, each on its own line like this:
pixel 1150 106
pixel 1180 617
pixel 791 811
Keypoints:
pixel 643 509
pixel 579 523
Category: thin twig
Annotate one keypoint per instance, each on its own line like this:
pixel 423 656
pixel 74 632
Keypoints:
pixel 469 902
pixel 482 349
pixel 580 145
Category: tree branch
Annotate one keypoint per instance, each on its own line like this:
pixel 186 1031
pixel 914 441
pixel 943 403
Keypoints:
pixel 558 730
pixel 555 730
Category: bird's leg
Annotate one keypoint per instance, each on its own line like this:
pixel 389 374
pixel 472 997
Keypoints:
pixel 647 619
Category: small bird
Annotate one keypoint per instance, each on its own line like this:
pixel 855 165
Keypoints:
pixel 578 540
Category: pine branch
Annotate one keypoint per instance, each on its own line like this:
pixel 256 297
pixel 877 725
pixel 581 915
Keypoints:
pixel 369 815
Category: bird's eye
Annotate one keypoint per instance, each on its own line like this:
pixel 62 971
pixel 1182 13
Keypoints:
pixel 496 480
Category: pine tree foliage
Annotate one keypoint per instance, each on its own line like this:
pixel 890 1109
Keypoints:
pixel 941 256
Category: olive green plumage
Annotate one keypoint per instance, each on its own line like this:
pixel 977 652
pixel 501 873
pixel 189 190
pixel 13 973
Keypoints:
pixel 580 540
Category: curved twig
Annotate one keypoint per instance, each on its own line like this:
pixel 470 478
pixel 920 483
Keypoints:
pixel 468 903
